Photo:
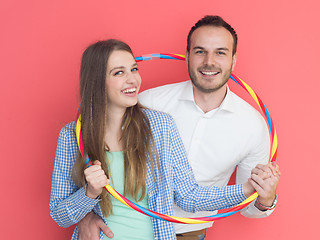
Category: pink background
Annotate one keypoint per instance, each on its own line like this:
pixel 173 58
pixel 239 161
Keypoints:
pixel 40 47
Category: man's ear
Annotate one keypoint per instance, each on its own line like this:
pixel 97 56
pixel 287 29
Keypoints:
pixel 234 61
pixel 187 57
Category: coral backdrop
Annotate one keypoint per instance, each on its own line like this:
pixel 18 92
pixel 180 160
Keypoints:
pixel 40 47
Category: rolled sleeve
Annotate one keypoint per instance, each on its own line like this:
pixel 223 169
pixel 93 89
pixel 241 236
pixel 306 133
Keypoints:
pixel 252 211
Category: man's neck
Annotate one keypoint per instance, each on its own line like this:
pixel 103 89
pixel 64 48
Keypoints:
pixel 209 101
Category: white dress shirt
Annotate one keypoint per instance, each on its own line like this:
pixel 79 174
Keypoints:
pixel 234 135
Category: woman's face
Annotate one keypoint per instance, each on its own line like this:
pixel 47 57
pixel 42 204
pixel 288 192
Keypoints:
pixel 122 80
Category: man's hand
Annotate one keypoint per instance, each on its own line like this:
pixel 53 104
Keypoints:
pixel 90 227
pixel 265 178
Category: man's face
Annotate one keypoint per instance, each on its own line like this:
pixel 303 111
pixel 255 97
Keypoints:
pixel 210 59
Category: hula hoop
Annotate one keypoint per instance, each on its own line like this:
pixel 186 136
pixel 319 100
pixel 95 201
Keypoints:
pixel 230 211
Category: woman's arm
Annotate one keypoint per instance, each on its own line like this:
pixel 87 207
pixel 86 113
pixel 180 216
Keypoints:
pixel 68 202
pixel 191 197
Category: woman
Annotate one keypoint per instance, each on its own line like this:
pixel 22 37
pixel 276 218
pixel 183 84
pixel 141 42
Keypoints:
pixel 138 149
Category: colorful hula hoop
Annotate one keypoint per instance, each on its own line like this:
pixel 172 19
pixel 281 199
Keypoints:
pixel 230 211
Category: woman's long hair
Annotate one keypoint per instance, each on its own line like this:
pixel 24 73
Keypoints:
pixel 136 133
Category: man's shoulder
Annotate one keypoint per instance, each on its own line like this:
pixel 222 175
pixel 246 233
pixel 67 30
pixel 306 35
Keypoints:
pixel 242 105
pixel 247 114
pixel 168 89
pixel 159 97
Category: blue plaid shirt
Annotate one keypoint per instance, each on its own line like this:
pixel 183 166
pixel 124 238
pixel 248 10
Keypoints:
pixel 174 181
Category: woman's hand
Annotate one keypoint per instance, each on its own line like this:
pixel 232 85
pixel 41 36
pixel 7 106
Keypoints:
pixel 248 189
pixel 96 179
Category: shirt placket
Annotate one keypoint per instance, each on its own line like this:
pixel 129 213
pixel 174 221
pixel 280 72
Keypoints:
pixel 197 138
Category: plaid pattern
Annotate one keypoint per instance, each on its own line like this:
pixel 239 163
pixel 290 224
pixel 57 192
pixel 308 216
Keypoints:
pixel 174 181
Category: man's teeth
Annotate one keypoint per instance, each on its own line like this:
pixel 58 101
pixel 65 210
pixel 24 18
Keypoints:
pixel 129 90
pixel 209 73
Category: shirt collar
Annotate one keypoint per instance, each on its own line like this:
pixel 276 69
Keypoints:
pixel 227 104
pixel 187 93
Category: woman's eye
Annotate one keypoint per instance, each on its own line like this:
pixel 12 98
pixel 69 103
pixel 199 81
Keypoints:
pixel 118 73
pixel 134 69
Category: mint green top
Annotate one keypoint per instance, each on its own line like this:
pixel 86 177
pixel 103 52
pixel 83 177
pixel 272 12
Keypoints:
pixel 125 222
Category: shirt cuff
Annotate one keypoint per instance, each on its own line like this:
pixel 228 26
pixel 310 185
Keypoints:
pixel 85 201
pixel 235 194
pixel 252 211
pixel 79 204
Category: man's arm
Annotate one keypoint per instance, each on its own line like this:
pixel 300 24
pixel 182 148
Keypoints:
pixel 91 226
pixel 258 155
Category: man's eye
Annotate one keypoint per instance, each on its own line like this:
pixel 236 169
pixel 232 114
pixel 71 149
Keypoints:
pixel 199 52
pixel 221 53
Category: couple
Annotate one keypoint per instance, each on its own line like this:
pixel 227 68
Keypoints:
pixel 140 150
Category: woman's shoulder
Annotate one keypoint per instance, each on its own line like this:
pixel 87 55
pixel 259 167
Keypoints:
pixel 157 116
pixel 68 131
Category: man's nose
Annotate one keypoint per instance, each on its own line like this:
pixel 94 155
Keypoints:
pixel 210 59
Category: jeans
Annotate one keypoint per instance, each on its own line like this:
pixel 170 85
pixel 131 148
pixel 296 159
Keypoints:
pixel 196 235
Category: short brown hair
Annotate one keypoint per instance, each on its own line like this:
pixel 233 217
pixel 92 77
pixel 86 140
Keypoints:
pixel 214 21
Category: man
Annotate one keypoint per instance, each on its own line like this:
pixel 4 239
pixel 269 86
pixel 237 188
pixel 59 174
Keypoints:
pixel 220 131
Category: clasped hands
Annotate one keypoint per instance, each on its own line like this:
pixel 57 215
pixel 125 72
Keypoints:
pixel 264 179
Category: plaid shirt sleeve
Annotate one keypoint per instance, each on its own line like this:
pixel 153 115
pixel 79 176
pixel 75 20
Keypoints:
pixel 68 203
pixel 187 193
